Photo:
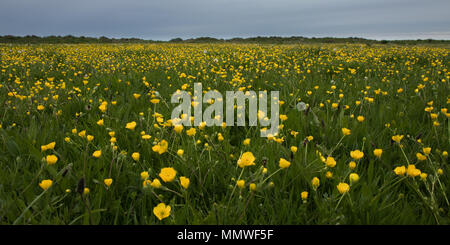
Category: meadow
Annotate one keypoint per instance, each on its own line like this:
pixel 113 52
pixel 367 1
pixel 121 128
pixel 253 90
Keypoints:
pixel 86 135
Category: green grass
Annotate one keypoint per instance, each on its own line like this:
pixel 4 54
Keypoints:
pixel 115 72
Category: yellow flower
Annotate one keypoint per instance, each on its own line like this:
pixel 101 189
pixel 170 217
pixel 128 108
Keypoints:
pixel 426 150
pixel 97 154
pixel 191 132
pixel 131 125
pixel 330 162
pixel 146 137
pixel 346 131
pixel 400 170
pixel 252 187
pixel 184 182
pixel 247 159
pixel 329 175
pixel 154 101
pixel 294 149
pixel 161 211
pixel 283 117
pixel 284 163
pixel 360 118
pixel 343 188
pixel 304 195
pixel 357 154
pixel 352 165
pixel 100 122
pixel 412 171
pixel 45 184
pixel 167 174
pixel 82 133
pixel 178 128
pixel 378 152
pixel 86 191
pixel 161 147
pixel 90 138
pixel 108 182
pixel 49 146
pixel 103 106
pixel 155 183
pixel 135 156
pixel 397 138
pixel 51 159
pixel 180 152
pixel 421 157
pixel 240 183
pixel 220 137
pixel 315 182
pixel 40 107
pixel 246 142
pixel 423 176
pixel 310 138
pixel 353 177
pixel 136 96
pixel 440 171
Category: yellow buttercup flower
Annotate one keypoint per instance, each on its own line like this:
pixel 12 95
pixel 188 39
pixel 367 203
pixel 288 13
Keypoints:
pixel 427 150
pixel 400 170
pixel 131 125
pixel 108 182
pixel 421 157
pixel 178 128
pixel 191 132
pixel 397 138
pixel 90 138
pixel 180 152
pixel 357 154
pixel 156 183
pixel 304 195
pixel 352 165
pixel 330 162
pixel 378 152
pixel 246 142
pixel 294 149
pixel 100 122
pixel 45 184
pixel 240 183
pixel 247 159
pixel 161 147
pixel 161 211
pixel 315 182
pixel 346 131
pixel 343 188
pixel 135 156
pixel 51 159
pixel 284 163
pixel 184 182
pixel 167 174
pixel 353 177
pixel 412 171
pixel 97 154
pixel 252 187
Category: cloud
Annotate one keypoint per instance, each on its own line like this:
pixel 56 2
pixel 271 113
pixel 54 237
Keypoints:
pixel 158 19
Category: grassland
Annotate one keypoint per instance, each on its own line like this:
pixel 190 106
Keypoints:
pixel 371 146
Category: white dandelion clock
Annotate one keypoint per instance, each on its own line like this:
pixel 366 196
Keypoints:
pixel 301 106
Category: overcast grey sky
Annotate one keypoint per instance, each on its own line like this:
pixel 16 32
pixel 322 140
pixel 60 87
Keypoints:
pixel 166 19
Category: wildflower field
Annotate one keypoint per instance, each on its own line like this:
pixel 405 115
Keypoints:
pixel 86 135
